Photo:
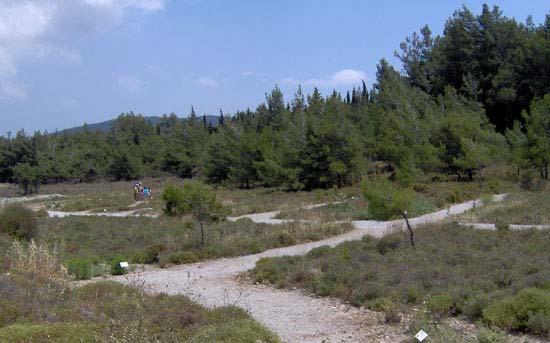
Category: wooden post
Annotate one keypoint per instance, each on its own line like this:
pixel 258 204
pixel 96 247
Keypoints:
pixel 411 233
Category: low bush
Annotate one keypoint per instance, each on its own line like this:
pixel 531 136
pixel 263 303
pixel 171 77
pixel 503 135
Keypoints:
pixel 9 314
pixel 271 270
pixel 453 271
pixel 181 257
pixel 57 332
pixel 389 243
pixel 145 240
pixel 116 269
pixel 488 335
pixel 18 221
pixel 150 255
pixel 240 331
pixel 529 310
pixel 32 310
pixel 37 260
pixel 84 268
pixel 440 305
pixel 528 182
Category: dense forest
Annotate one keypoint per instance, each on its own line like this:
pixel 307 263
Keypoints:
pixel 477 95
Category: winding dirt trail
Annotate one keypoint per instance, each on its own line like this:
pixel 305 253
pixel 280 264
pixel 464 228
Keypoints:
pixel 293 315
pixel 5 201
pixel 131 213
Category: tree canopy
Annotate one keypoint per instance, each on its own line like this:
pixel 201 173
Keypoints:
pixel 467 99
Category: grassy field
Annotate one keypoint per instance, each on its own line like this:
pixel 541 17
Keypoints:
pixel 452 271
pixel 89 245
pixel 88 241
pixel 118 196
pixel 39 310
pixel 518 208
pixel 429 196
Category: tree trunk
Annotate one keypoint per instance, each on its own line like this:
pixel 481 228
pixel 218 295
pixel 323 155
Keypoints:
pixel 411 233
pixel 458 175
pixel 202 234
pixel 480 179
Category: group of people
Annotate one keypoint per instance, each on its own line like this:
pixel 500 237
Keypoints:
pixel 141 192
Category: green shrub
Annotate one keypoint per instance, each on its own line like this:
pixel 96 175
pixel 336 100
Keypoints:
pixel 440 305
pixel 528 182
pixel 18 221
pixel 388 243
pixel 9 312
pixel 421 205
pixel 150 255
pixel 473 306
pixel 382 304
pixel 116 269
pixel 413 295
pixel 182 257
pixel 105 291
pixel 239 331
pixel 321 251
pixel 539 323
pixel 271 270
pixel 487 335
pixel 81 267
pixel 502 226
pixel 455 196
pixel 58 332
pixel 285 239
pixel 529 310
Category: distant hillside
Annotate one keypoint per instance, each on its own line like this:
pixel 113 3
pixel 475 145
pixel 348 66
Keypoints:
pixel 104 126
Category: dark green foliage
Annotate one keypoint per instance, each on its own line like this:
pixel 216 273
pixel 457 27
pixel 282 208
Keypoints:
pixel 194 198
pixel 82 268
pixel 28 177
pixel 150 255
pixel 182 257
pixel 385 200
pixel 116 269
pixel 18 221
pixel 529 310
pixel 488 58
pixel 537 127
pixel 440 305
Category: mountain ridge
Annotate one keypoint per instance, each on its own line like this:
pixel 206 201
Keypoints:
pixel 105 126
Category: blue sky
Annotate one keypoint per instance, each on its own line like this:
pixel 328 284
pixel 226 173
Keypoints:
pixel 66 62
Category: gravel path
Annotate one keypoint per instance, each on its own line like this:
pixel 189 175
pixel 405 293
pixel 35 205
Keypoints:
pixel 488 226
pixel 5 201
pixel 131 213
pixel 293 315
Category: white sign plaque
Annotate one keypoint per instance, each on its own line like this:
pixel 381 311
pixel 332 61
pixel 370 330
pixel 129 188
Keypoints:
pixel 421 335
pixel 124 265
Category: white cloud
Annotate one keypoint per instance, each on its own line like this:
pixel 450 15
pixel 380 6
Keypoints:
pixel 39 28
pixel 207 81
pixel 130 83
pixel 344 77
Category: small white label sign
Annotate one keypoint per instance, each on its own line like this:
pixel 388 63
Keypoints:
pixel 124 265
pixel 421 335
